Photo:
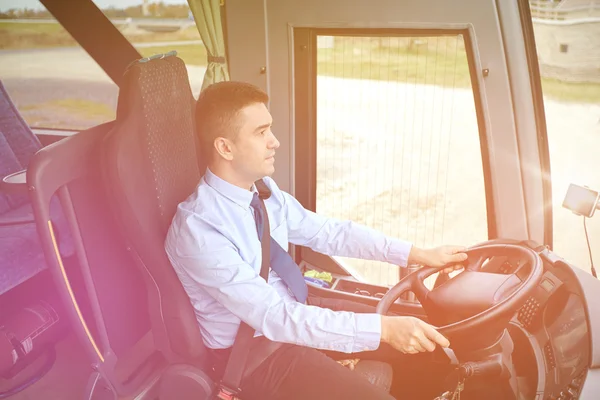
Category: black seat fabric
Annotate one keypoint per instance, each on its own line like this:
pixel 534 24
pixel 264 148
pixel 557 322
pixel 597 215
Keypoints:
pixel 151 166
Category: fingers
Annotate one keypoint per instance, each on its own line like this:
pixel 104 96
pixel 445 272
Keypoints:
pixel 425 343
pixel 457 257
pixel 453 268
pixel 409 350
pixel 458 249
pixel 411 335
pixel 445 255
pixel 414 348
pixel 434 335
pixel 421 340
pixel 453 254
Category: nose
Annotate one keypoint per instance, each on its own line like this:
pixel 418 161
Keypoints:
pixel 273 143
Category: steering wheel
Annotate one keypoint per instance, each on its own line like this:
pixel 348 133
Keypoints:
pixel 474 299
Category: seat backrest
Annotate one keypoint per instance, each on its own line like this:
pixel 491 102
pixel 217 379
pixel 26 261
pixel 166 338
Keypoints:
pixel 17 145
pixel 150 165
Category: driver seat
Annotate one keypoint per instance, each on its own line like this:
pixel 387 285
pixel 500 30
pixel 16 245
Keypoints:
pixel 150 165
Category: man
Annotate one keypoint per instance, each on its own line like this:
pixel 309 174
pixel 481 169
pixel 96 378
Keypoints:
pixel 214 246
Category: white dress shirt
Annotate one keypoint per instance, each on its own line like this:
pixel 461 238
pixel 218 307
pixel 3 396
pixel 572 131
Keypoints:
pixel 215 250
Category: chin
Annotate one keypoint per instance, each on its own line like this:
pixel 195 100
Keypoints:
pixel 270 171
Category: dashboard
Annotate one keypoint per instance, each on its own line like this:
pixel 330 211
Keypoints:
pixel 555 355
pixel 552 328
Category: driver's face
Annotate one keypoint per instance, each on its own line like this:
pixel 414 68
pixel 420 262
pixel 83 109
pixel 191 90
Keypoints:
pixel 254 147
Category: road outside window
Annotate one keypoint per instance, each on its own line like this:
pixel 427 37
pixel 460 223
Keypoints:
pixel 56 84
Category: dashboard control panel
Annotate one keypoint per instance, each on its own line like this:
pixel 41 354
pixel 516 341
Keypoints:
pixel 555 317
pixel 530 314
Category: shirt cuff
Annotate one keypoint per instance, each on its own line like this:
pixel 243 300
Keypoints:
pixel 368 332
pixel 399 251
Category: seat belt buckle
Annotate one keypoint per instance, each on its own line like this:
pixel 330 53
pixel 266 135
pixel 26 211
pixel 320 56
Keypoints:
pixel 226 393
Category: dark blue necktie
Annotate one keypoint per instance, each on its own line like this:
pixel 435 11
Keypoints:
pixel 281 261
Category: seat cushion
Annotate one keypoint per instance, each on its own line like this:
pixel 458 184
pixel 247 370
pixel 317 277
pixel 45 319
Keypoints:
pixel 22 256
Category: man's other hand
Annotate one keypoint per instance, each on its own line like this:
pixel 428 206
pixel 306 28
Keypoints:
pixel 410 335
pixel 438 257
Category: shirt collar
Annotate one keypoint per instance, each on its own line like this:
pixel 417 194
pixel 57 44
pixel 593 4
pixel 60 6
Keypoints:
pixel 232 192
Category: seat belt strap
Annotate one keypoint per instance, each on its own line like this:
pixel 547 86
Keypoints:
pixel 229 387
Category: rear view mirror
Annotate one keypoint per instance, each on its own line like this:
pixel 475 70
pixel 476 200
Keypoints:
pixel 581 200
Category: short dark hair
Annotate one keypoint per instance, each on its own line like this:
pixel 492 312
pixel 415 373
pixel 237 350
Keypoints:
pixel 218 106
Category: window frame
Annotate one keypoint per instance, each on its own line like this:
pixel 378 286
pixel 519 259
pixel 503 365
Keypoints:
pixel 535 79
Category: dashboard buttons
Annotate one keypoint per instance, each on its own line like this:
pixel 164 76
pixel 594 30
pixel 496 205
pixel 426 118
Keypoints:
pixel 549 353
pixel 528 312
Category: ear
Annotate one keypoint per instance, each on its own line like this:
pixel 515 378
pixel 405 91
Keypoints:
pixel 223 148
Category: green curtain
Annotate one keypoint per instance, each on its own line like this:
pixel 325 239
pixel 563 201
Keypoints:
pixel 207 14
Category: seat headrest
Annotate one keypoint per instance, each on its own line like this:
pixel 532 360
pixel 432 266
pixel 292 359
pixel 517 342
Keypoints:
pixel 156 106
pixel 152 81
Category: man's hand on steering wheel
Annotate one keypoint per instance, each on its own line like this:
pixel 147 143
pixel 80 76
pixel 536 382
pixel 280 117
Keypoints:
pixel 439 257
pixel 410 335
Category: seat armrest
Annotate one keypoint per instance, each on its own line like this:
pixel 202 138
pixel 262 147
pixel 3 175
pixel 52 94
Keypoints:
pixel 15 183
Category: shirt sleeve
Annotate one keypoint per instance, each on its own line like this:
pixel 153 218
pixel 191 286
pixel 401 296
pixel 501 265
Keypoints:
pixel 215 264
pixel 341 238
